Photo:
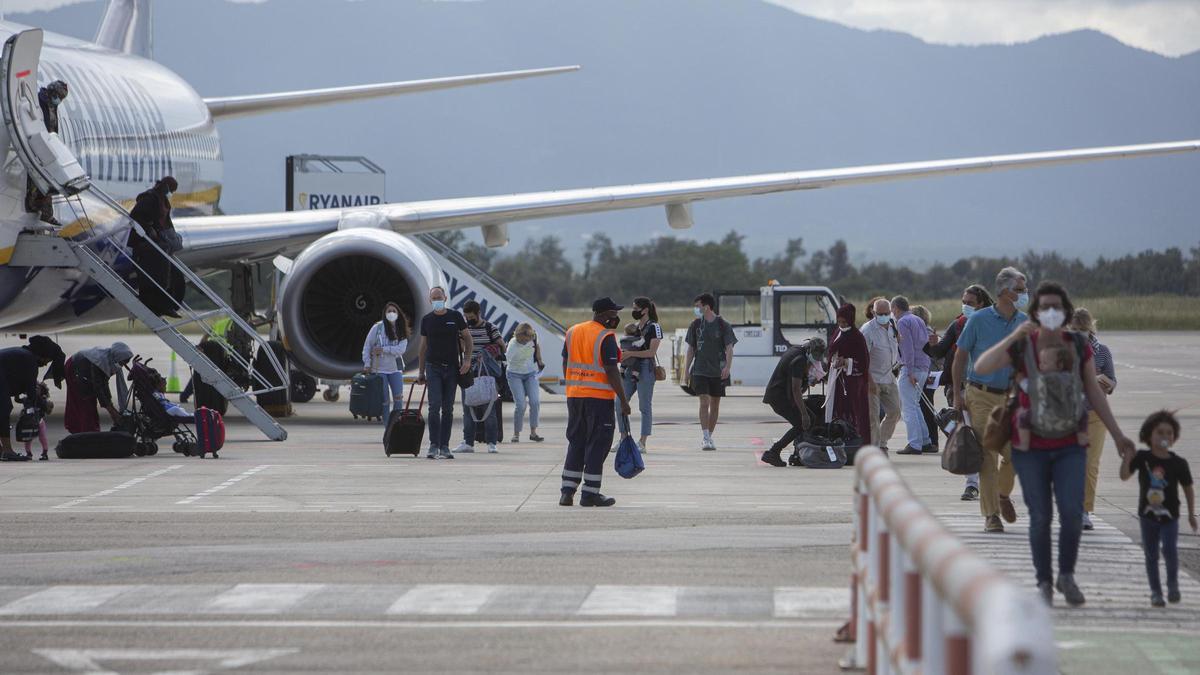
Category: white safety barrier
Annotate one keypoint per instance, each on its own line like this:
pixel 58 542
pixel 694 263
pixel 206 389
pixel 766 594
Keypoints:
pixel 922 602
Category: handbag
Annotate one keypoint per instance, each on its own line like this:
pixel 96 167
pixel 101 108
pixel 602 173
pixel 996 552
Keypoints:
pixel 660 373
pixel 629 462
pixel 963 455
pixel 998 431
pixel 482 392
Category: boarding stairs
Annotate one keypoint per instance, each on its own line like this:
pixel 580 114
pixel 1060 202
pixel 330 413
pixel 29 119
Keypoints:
pixel 96 238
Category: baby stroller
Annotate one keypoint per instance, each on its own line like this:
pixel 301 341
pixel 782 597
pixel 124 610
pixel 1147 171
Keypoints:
pixel 149 416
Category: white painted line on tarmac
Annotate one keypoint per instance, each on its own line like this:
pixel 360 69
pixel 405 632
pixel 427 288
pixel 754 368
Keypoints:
pixel 261 598
pixel 64 600
pixel 443 599
pixel 127 484
pixel 229 483
pixel 90 660
pixel 631 601
pixel 1160 371
pixel 451 623
pixel 799 601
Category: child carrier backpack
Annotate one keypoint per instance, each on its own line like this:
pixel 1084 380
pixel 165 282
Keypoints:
pixel 1056 400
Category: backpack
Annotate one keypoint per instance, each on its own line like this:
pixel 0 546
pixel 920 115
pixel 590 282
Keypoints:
pixel 1056 400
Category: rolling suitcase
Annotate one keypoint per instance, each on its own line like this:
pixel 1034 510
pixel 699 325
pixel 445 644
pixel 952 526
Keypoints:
pixel 210 432
pixel 96 445
pixel 367 396
pixel 405 429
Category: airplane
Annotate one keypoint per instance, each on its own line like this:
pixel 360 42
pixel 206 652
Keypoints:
pixel 129 120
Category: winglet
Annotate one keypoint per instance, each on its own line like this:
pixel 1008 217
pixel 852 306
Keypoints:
pixel 236 106
pixel 127 27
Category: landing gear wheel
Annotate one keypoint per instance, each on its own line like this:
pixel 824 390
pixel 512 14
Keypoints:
pixel 331 394
pixel 304 387
pixel 151 448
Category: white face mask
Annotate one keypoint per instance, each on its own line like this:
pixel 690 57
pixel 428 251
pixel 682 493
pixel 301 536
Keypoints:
pixel 843 328
pixel 698 312
pixel 1164 444
pixel 391 316
pixel 1051 318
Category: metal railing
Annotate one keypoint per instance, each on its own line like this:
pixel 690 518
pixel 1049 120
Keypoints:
pixel 922 602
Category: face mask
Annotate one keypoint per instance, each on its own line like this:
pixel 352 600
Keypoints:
pixel 843 328
pixel 438 305
pixel 698 312
pixel 1022 301
pixel 637 313
pixel 54 100
pixel 391 316
pixel 968 311
pixel 883 319
pixel 1051 318
pixel 613 322
pixel 1164 443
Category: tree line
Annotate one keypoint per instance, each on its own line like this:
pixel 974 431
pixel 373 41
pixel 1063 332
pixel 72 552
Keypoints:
pixel 673 270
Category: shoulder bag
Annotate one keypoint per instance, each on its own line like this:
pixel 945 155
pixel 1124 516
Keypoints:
pixel 963 455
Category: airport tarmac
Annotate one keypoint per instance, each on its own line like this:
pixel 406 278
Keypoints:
pixel 319 554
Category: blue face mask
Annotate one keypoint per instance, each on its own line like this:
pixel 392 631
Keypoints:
pixel 883 319
pixel 698 312
pixel 1023 301
pixel 439 305
pixel 968 311
pixel 54 100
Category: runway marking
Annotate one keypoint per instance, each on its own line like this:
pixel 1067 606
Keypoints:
pixel 1160 371
pixel 261 598
pixel 64 600
pixel 631 600
pixel 89 660
pixel 797 601
pixel 217 488
pixel 443 599
pixel 441 625
pixel 127 484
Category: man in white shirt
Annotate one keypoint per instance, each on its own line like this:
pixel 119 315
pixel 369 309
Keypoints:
pixel 885 354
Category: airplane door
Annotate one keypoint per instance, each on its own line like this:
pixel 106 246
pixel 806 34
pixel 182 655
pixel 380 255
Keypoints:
pixel 47 159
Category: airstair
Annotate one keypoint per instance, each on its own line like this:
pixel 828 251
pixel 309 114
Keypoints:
pixel 96 242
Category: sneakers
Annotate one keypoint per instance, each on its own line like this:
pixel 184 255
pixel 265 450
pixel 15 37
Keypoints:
pixel 773 458
pixel 971 494
pixel 1173 596
pixel 492 448
pixel 1007 509
pixel 1156 600
pixel 1046 590
pixel 516 438
pixel 567 499
pixel 44 457
pixel 535 438
pixel 465 447
pixel 993 524
pixel 1087 521
pixel 909 450
pixel 1066 586
pixel 445 454
pixel 595 499
pixel 433 452
pixel 706 442
pixel 930 449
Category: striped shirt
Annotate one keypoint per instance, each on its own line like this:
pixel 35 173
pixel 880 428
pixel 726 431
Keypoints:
pixel 483 334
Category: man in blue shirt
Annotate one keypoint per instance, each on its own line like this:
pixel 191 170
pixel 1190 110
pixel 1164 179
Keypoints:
pixel 914 370
pixel 984 393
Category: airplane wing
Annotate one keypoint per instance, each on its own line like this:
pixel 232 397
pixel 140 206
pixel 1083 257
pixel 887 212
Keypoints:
pixel 210 239
pixel 226 107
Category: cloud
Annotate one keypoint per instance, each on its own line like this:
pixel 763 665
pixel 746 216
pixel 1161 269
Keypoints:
pixel 1168 27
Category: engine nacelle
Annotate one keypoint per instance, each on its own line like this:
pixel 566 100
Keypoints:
pixel 336 291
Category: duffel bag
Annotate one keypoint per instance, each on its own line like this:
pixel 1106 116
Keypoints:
pixel 829 456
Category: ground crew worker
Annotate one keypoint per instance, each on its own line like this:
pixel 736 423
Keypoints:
pixel 49 98
pixel 590 357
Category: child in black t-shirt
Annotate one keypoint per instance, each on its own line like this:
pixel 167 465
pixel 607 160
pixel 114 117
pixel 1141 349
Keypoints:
pixel 1160 473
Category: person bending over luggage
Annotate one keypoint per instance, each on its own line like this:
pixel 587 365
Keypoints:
pixel 383 351
pixel 88 372
pixel 785 392
pixel 18 377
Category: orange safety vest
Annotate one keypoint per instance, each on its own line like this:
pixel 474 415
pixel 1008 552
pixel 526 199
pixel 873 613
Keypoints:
pixel 585 374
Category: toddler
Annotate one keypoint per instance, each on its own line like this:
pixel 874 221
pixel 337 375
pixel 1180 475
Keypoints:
pixel 40 407
pixel 1057 358
pixel 633 341
pixel 1160 473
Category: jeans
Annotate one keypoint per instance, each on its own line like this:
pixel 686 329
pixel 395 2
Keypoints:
pixel 644 386
pixel 1166 534
pixel 524 387
pixel 1059 474
pixel 491 423
pixel 910 403
pixel 443 382
pixel 395 382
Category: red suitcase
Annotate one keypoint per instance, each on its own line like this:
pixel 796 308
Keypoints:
pixel 210 432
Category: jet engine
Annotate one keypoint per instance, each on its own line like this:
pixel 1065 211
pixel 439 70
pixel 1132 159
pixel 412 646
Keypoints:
pixel 337 288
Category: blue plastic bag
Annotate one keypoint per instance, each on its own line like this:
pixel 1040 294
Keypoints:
pixel 629 457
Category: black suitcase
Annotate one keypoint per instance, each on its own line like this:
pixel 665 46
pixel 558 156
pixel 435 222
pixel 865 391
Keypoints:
pixel 368 395
pixel 405 429
pixel 481 428
pixel 96 445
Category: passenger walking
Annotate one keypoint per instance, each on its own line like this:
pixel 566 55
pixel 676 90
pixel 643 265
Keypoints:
pixel 850 358
pixel 1106 373
pixel 882 392
pixel 524 363
pixel 486 346
pixel 639 374
pixel 383 351
pixel 1160 473
pixel 88 372
pixel 974 298
pixel 589 359
pixel 914 369
pixel 443 355
pixel 785 393
pixel 160 284
pixel 935 366
pixel 978 394
pixel 710 342
pixel 19 377
pixel 1053 467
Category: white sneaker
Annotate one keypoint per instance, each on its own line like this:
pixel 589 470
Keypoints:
pixel 712 445
pixel 492 448
pixel 465 447
pixel 1087 521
